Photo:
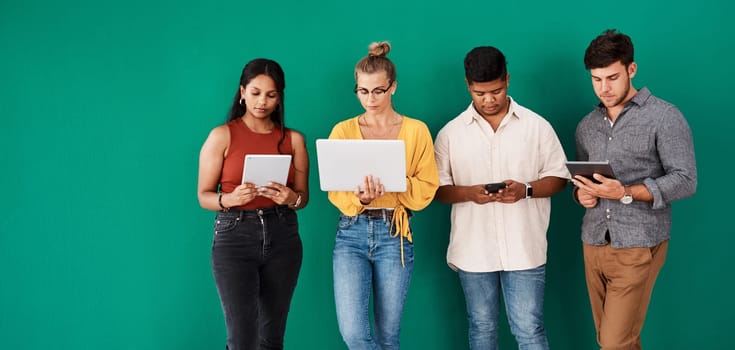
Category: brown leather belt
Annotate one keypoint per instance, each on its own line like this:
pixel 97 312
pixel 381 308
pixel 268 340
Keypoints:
pixel 382 213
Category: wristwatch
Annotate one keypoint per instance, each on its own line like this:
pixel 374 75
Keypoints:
pixel 627 196
pixel 529 190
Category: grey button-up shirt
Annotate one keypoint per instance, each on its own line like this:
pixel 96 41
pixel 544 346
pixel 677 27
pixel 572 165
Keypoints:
pixel 649 143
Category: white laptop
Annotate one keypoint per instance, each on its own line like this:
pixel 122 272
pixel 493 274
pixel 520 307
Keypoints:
pixel 260 169
pixel 343 164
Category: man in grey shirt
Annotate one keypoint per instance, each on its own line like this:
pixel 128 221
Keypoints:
pixel 627 225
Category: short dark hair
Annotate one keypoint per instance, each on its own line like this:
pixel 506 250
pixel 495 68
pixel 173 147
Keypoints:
pixel 609 47
pixel 483 64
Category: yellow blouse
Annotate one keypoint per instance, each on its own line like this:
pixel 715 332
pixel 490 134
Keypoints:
pixel 422 178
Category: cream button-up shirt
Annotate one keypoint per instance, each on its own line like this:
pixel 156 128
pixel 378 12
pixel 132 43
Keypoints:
pixel 498 236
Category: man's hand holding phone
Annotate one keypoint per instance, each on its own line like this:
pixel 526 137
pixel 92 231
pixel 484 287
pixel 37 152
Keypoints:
pixel 509 191
pixel 494 187
pixel 492 192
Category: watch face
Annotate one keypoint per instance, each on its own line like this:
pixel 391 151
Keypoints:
pixel 627 199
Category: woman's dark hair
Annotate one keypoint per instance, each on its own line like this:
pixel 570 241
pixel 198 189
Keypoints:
pixel 609 47
pixel 251 70
pixel 483 64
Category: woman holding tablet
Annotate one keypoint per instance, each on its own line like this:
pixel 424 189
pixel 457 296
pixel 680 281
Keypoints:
pixel 256 253
pixel 373 250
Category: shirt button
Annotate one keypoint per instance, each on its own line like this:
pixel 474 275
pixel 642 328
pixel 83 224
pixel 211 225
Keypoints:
pixel 608 210
pixel 608 216
pixel 609 138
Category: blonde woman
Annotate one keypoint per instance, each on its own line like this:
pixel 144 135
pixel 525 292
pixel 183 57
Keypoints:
pixel 373 250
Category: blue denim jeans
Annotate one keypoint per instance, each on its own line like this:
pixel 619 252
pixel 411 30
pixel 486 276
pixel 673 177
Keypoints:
pixel 256 258
pixel 367 259
pixel 523 292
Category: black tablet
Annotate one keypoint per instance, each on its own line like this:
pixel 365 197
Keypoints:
pixel 587 168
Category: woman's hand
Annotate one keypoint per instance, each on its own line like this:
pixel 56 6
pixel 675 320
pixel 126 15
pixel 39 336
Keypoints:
pixel 241 195
pixel 372 190
pixel 278 193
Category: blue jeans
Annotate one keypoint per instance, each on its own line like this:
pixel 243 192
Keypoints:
pixel 256 258
pixel 523 292
pixel 366 258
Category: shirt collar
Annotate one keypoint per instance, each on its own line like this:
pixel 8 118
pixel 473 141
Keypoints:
pixel 471 115
pixel 638 99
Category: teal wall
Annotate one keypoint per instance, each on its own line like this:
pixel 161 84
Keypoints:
pixel 104 107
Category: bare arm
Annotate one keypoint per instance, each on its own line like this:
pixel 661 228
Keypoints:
pixel 548 186
pixel 211 158
pixel 451 194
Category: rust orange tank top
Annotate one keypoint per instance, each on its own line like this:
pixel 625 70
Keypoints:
pixel 244 141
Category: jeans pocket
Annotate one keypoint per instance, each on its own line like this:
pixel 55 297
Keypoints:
pixel 346 221
pixel 224 223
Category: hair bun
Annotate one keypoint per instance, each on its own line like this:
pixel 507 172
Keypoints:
pixel 379 49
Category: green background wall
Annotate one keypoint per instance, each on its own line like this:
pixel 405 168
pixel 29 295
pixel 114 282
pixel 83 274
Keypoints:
pixel 104 107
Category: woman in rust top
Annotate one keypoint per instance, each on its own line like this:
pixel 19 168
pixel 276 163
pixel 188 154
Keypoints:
pixel 256 253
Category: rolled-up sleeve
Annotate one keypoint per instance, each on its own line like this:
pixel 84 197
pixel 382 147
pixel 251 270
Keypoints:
pixel 676 151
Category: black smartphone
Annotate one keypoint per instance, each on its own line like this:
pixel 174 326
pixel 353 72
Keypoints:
pixel 495 187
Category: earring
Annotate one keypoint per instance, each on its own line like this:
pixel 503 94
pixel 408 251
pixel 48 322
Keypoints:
pixel 242 102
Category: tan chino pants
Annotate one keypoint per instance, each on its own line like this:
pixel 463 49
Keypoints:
pixel 620 282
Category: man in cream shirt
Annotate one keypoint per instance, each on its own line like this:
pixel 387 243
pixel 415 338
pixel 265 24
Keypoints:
pixel 498 240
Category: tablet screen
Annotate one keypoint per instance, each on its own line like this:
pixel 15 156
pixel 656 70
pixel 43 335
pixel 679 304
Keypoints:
pixel 587 168
pixel 260 169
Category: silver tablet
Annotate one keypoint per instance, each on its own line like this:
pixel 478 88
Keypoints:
pixel 260 169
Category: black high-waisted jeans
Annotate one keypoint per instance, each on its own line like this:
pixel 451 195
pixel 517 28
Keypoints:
pixel 256 258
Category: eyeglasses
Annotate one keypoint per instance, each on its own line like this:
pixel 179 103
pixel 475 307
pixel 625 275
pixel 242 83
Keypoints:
pixel 377 92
